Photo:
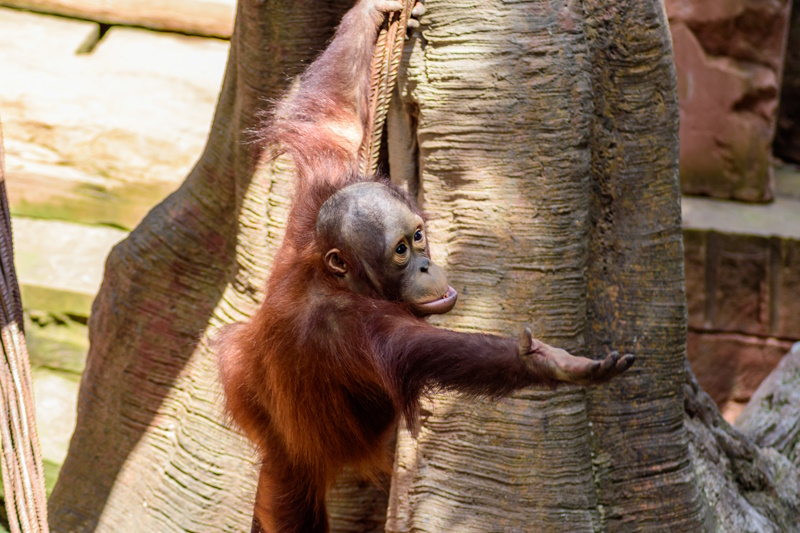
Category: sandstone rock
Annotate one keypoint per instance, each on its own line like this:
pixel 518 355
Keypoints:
pixel 729 60
pixel 747 30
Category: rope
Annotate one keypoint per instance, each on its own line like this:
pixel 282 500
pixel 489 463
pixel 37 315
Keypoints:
pixel 385 64
pixel 23 472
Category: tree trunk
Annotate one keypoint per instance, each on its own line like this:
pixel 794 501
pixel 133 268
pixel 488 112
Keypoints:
pixel 552 177
pixel 541 138
pixel 151 451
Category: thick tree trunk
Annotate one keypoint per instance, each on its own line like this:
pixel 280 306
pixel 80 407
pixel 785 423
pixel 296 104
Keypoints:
pixel 541 137
pixel 503 113
pixel 635 273
pixel 548 153
pixel 151 452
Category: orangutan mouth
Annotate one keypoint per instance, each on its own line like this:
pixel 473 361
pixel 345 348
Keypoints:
pixel 440 305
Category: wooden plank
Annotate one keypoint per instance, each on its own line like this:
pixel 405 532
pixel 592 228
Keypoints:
pixel 60 264
pixel 212 18
pixel 50 192
pixel 101 137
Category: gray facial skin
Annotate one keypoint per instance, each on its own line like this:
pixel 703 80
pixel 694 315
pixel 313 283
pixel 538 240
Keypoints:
pixel 374 223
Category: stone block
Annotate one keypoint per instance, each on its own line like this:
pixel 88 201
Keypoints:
pixel 745 260
pixel 56 341
pixel 196 17
pixel 714 362
pixel 729 58
pixel 100 137
pixel 743 292
pixel 780 218
pixel 757 358
pixel 55 395
pixel 60 265
pixel 787 283
pixel 739 270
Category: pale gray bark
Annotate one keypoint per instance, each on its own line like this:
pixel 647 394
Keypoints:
pixel 772 417
pixel 750 486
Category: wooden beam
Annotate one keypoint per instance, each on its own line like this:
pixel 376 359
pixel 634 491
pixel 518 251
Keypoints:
pixel 212 18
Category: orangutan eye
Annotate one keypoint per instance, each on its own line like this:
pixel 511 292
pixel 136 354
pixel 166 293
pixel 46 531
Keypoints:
pixel 401 249
pixel 418 235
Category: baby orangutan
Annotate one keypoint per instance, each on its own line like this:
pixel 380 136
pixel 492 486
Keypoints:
pixel 340 348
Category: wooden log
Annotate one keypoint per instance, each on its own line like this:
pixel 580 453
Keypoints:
pixel 212 18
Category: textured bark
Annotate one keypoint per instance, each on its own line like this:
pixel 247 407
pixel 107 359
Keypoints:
pixel 772 417
pixel 503 115
pixel 635 274
pixel 540 142
pixel 750 489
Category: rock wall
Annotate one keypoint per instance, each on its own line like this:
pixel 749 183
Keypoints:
pixel 729 57
pixel 742 289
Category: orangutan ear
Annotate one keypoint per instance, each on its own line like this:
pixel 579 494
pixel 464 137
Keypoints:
pixel 334 262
